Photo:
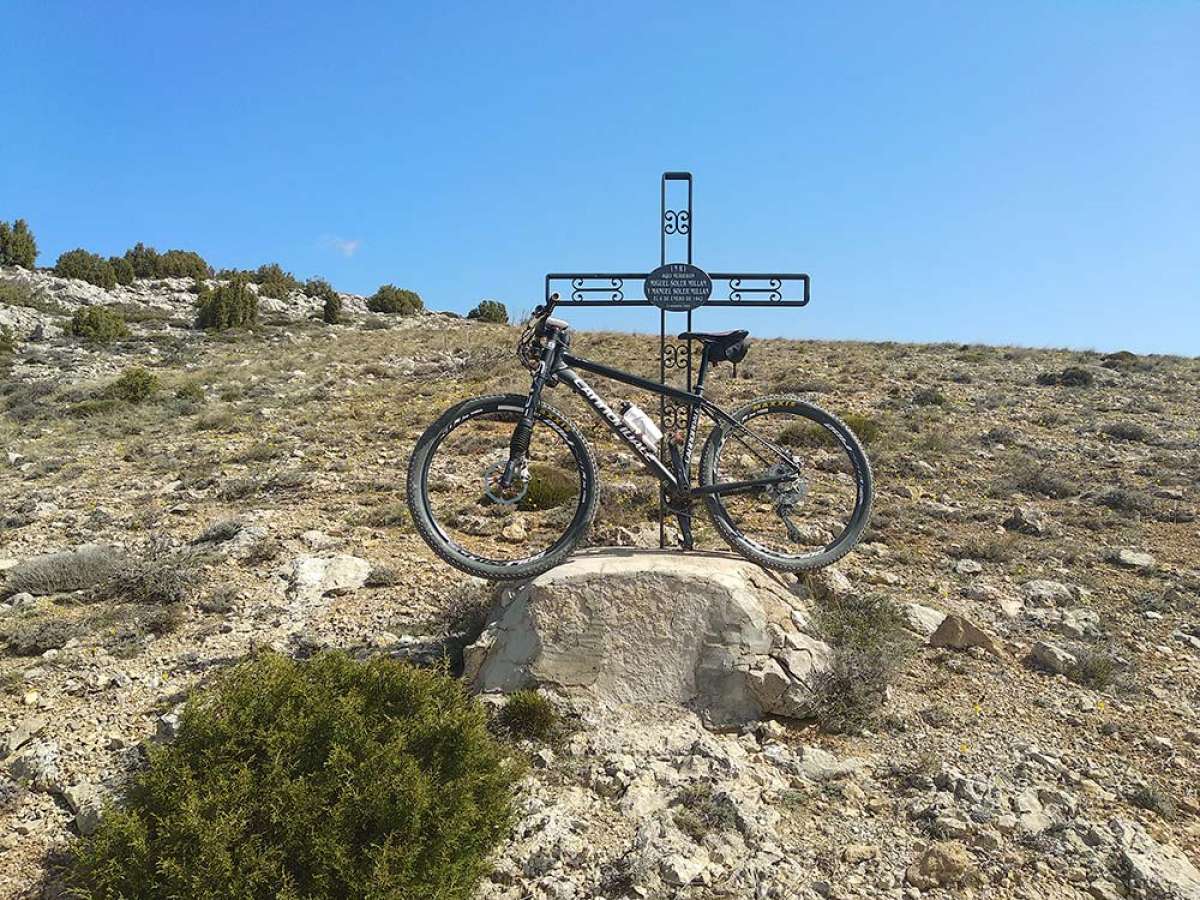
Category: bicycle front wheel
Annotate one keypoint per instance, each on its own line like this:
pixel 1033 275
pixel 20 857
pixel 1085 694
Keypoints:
pixel 470 521
pixel 807 522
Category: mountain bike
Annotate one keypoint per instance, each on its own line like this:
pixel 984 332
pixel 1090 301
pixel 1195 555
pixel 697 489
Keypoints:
pixel 504 487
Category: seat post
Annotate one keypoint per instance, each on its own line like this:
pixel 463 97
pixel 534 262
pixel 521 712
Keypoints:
pixel 703 370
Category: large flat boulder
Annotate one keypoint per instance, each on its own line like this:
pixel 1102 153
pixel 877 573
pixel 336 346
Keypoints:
pixel 616 627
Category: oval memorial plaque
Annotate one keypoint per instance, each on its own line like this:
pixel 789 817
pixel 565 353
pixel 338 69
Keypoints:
pixel 678 287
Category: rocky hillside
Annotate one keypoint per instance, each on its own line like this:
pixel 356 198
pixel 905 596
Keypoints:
pixel 1035 525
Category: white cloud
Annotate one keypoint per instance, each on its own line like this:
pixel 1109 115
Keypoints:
pixel 345 246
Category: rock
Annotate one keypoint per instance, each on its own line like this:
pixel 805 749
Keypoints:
pixel 941 864
pixel 166 726
pixel 968 567
pixel 1051 657
pixel 828 584
pixel 1026 520
pixel 1155 870
pixel 816 764
pixel 616 627
pixel 38 766
pixel 1131 559
pixel 312 577
pixel 318 541
pixel 856 853
pixel 26 730
pixel 88 804
pixel 679 870
pixel 956 633
pixel 1043 593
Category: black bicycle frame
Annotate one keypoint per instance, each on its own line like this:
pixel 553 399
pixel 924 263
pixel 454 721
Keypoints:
pixel 559 365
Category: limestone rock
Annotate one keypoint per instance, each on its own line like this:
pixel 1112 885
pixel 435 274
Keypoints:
pixel 1051 657
pixel 941 864
pixel 957 633
pixel 312 577
pixel 924 620
pixel 1045 593
pixel 617 627
pixel 1131 559
pixel 1027 520
pixel 1155 870
pixel 87 802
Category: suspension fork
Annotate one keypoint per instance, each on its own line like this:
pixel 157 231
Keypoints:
pixel 518 446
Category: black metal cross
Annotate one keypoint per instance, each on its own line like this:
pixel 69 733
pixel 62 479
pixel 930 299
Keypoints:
pixel 676 287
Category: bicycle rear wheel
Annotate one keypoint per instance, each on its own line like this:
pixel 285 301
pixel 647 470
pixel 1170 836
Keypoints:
pixel 806 523
pixel 473 523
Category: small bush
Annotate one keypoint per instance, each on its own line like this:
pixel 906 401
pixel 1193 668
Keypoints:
pixel 461 622
pixel 133 386
pixel 1094 669
pixel 1031 477
pixel 528 714
pixel 33 635
pixel 17 245
pixel 229 305
pixel 1128 431
pixel 1126 500
pixel 929 396
pixel 274 282
pixel 56 573
pixel 549 487
pixel 490 311
pixel 322 779
pixel 8 341
pixel 1072 376
pixel 1150 798
pixel 87 266
pixel 331 300
pixel 122 269
pixel 391 299
pixel 870 646
pixel 158 576
pixel 98 325
pixel 809 434
pixel 698 811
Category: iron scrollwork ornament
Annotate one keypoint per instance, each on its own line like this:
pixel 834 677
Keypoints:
pixel 773 291
pixel 677 221
pixel 615 289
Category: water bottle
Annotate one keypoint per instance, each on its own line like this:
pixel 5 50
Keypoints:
pixel 642 424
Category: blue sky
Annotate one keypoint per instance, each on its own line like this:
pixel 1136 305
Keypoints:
pixel 1012 172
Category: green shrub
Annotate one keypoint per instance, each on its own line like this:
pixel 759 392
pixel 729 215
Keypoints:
pixel 929 396
pixel 98 325
pixel 121 269
pixel 1072 376
pixel 86 266
pixel 870 646
pixel 143 260
pixel 133 386
pixel 549 486
pixel 274 282
pixel 391 299
pixel 331 310
pixel 8 341
pixel 528 714
pixel 17 245
pixel 182 264
pixel 490 311
pixel 810 434
pixel 146 262
pixel 1094 668
pixel 1128 431
pixel 229 305
pixel 329 778
pixel 698 810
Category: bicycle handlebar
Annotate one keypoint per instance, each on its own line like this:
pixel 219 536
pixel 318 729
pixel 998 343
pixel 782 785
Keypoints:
pixel 542 313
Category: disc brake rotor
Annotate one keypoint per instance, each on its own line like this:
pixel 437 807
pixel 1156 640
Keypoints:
pixel 497 493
